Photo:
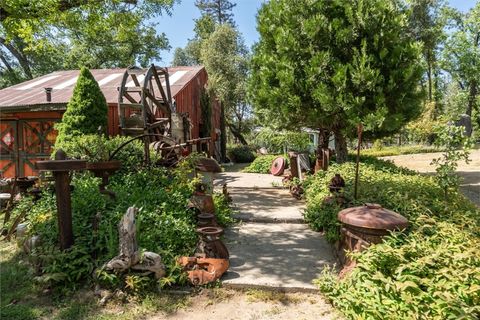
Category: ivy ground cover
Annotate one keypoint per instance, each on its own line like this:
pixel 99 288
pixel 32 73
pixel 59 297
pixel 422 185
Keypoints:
pixel 430 271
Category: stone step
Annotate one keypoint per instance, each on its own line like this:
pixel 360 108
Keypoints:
pixel 266 205
pixel 250 180
pixel 247 218
pixel 281 256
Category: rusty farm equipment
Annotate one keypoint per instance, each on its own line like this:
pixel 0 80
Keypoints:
pixel 146 111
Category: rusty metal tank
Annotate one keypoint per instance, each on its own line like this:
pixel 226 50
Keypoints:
pixel 367 224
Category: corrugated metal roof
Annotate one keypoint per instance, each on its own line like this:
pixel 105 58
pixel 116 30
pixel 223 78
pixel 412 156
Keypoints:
pixel 31 94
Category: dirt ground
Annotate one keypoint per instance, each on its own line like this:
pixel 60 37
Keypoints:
pixel 470 172
pixel 253 304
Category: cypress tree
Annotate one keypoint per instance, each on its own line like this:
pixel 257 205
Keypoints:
pixel 86 111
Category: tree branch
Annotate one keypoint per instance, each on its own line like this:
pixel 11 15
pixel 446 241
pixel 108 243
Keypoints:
pixel 6 63
pixel 63 5
pixel 19 56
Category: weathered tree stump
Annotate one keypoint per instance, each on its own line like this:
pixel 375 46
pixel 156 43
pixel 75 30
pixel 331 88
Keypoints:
pixel 129 256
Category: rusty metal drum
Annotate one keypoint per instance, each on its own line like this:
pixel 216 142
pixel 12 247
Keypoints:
pixel 367 224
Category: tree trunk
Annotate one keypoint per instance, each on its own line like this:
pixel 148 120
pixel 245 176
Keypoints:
pixel 223 134
pixel 341 149
pixel 472 96
pixel 237 134
pixel 429 75
pixel 323 138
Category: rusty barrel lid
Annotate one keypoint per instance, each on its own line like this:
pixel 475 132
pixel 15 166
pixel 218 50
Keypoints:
pixel 372 216
pixel 278 166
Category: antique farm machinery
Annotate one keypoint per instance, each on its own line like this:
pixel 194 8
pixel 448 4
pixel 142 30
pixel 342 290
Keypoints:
pixel 146 111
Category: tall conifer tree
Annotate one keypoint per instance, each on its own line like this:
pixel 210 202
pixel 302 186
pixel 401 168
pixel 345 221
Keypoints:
pixel 87 110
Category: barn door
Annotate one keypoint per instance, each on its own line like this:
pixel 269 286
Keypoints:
pixel 37 138
pixel 8 148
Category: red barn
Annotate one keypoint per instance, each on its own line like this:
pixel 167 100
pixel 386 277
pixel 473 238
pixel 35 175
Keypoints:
pixel 27 118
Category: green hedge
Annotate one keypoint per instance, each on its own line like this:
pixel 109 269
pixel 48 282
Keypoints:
pixel 430 272
pixel 240 154
pixel 262 164
pixel 398 150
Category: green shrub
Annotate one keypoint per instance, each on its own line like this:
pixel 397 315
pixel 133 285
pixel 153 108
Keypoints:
pixel 164 224
pixel 385 151
pixel 86 111
pixel 277 141
pixel 223 212
pixel 240 154
pixel 94 147
pixel 206 107
pixel 457 149
pixel 432 271
pixel 262 164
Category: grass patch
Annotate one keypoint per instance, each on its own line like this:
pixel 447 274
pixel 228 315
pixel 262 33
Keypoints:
pixel 217 295
pixel 256 295
pixel 21 298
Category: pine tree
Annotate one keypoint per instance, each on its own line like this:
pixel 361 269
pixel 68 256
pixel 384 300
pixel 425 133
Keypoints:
pixel 220 10
pixel 86 111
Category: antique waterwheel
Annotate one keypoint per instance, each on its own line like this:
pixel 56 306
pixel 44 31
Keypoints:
pixel 144 101
pixel 145 106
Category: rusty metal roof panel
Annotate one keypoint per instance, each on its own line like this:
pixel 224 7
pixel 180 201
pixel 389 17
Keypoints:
pixel 31 93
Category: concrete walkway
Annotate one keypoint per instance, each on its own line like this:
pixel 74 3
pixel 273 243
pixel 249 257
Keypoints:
pixel 271 247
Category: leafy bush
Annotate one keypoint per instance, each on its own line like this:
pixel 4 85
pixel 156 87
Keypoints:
pixel 385 151
pixel 206 107
pixel 86 111
pixel 457 148
pixel 433 271
pixel 277 141
pixel 240 154
pixel 422 130
pixel 164 225
pixel 223 212
pixel 262 164
pixel 94 147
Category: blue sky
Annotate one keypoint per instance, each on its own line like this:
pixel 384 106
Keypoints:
pixel 179 26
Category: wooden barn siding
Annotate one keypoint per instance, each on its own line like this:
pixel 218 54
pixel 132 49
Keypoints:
pixel 113 123
pixel 188 101
pixel 32 115
pixel 24 126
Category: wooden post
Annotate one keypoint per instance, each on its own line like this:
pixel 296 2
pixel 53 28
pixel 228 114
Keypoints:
pixel 64 204
pixel 359 131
